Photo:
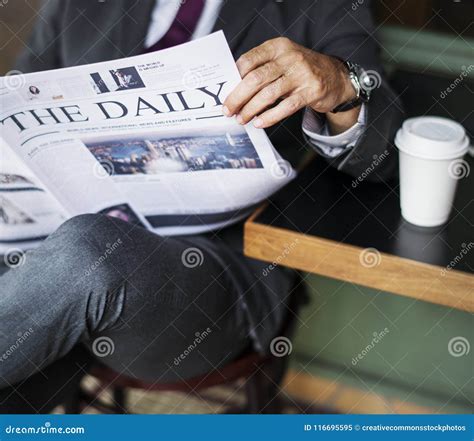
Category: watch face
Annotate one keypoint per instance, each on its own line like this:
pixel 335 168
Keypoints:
pixel 364 78
pixel 363 85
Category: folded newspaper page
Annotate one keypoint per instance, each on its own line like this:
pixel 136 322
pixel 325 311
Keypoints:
pixel 28 213
pixel 140 138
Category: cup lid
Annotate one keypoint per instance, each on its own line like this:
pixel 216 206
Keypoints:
pixel 432 137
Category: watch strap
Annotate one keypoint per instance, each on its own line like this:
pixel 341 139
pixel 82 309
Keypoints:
pixel 354 72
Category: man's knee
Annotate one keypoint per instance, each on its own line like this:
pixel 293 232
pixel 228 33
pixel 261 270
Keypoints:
pixel 84 226
pixel 91 229
pixel 86 242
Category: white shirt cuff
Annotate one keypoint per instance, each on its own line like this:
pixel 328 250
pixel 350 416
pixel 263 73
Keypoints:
pixel 317 131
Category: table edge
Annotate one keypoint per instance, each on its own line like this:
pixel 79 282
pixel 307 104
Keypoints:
pixel 390 273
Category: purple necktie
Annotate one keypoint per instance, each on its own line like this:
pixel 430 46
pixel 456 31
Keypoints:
pixel 183 26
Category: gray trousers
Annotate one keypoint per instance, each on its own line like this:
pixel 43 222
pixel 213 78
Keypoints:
pixel 158 309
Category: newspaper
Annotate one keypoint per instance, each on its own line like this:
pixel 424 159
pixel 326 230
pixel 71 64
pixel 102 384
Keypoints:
pixel 140 138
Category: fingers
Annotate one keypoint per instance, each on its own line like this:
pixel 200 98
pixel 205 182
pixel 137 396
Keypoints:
pixel 286 108
pixel 250 85
pixel 270 72
pixel 263 99
pixel 255 57
pixel 262 54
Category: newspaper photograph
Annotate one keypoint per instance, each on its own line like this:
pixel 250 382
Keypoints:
pixel 141 138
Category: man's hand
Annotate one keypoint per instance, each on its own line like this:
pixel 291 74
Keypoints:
pixel 281 77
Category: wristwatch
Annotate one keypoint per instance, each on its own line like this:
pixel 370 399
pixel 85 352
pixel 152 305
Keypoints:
pixel 363 84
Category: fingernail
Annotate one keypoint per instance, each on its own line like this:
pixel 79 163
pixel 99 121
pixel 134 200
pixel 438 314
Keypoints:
pixel 226 111
pixel 258 123
pixel 239 119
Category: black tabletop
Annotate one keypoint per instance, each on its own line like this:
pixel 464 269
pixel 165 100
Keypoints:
pixel 326 203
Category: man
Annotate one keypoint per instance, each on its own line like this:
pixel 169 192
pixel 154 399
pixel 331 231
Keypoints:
pixel 144 304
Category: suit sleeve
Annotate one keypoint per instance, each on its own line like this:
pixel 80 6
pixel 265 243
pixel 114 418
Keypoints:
pixel 344 29
pixel 42 51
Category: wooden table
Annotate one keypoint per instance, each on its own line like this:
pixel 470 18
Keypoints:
pixel 326 223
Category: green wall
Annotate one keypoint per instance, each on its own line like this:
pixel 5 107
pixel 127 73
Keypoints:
pixel 449 55
pixel 410 361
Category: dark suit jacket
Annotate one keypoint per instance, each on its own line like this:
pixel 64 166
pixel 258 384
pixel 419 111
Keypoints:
pixel 73 32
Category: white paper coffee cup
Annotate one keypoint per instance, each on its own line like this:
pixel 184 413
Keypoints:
pixel 430 150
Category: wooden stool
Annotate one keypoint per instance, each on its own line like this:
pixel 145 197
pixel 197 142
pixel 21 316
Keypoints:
pixel 262 376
